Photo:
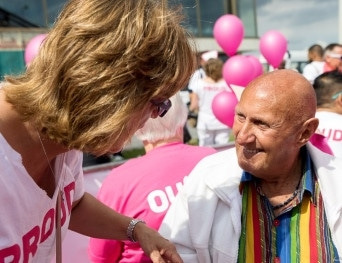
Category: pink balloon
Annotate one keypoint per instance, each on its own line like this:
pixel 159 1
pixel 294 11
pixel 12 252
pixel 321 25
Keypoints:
pixel 228 32
pixel 238 70
pixel 258 69
pixel 273 46
pixel 223 107
pixel 32 47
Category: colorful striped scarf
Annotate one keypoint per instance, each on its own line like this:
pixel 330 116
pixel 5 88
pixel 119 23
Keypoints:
pixel 300 234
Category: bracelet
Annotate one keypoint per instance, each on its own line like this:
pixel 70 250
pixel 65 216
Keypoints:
pixel 131 227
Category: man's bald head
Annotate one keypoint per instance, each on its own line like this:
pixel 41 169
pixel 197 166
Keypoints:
pixel 274 119
pixel 285 90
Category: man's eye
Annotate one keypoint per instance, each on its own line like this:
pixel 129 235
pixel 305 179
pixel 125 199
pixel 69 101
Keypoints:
pixel 240 116
pixel 261 124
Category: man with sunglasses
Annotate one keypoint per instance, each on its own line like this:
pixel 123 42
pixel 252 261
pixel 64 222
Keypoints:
pixel 332 57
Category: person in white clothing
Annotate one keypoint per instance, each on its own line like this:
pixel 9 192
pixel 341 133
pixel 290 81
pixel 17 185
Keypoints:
pixel 102 71
pixel 200 72
pixel 316 63
pixel 210 130
pixel 328 88
pixel 274 197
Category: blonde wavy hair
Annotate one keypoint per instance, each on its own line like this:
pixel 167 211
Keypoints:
pixel 102 62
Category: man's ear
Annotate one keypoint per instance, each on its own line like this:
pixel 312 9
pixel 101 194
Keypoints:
pixel 309 128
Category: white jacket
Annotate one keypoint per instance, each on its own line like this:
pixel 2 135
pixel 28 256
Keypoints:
pixel 204 222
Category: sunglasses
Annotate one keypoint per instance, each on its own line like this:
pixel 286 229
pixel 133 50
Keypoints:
pixel 333 55
pixel 162 107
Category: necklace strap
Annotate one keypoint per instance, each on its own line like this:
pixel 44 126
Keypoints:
pixel 58 209
pixel 290 199
pixel 286 202
pixel 59 228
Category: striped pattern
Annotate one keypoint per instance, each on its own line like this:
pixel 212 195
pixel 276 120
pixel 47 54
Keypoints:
pixel 301 235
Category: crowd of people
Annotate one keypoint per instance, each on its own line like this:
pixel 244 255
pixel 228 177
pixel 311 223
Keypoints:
pixel 275 193
pixel 274 197
pixel 322 60
pixel 98 80
pixel 98 77
pixel 324 72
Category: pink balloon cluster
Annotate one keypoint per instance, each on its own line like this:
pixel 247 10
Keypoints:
pixel 32 47
pixel 239 69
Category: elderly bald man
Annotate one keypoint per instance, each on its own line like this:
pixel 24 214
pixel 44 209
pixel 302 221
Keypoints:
pixel 274 197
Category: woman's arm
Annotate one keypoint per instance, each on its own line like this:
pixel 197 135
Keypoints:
pixel 92 218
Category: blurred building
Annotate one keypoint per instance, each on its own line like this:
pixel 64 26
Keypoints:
pixel 20 20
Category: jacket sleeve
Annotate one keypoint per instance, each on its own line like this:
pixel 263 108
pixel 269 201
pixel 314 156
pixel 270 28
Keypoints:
pixel 189 219
pixel 176 228
pixel 204 220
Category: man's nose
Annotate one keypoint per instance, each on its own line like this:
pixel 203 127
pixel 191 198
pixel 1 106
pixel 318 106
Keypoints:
pixel 245 134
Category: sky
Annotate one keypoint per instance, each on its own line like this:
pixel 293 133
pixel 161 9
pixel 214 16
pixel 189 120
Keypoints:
pixel 302 22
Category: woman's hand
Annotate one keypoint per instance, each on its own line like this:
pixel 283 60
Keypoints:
pixel 159 249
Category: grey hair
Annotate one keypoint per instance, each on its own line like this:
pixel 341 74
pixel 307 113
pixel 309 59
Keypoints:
pixel 168 126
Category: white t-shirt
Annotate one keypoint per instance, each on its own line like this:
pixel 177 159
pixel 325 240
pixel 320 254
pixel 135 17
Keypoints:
pixel 313 70
pixel 206 92
pixel 27 221
pixel 330 125
pixel 195 78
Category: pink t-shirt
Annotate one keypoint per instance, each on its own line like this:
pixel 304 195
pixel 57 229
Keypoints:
pixel 144 188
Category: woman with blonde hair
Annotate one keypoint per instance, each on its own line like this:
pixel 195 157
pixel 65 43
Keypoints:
pixel 145 187
pixel 103 69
